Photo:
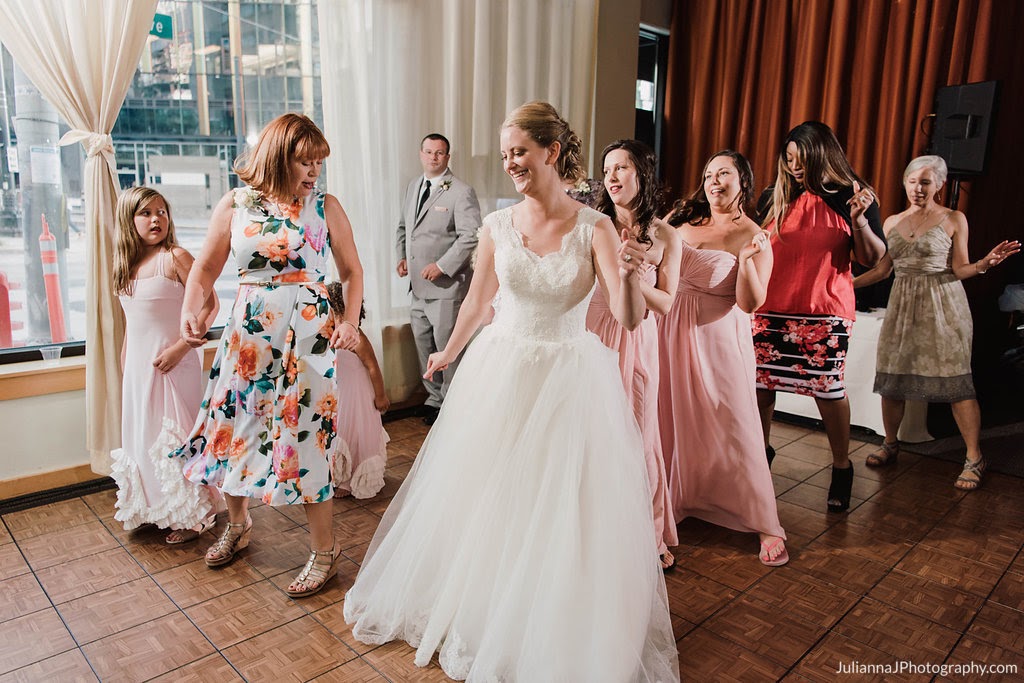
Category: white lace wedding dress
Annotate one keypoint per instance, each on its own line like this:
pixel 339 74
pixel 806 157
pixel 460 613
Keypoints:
pixel 520 546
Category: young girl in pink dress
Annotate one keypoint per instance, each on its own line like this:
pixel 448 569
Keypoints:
pixel 359 464
pixel 707 406
pixel 629 197
pixel 162 384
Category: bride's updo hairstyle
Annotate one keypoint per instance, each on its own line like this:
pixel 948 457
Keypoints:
pixel 542 123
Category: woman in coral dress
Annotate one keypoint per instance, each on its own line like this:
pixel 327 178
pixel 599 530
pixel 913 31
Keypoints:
pixel 267 427
pixel 710 430
pixel 629 197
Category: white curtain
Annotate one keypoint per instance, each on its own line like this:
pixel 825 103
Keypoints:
pixel 82 54
pixel 395 70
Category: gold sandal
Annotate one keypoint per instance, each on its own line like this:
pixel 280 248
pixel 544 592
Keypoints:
pixel 177 536
pixel 320 567
pixel 968 483
pixel 886 454
pixel 235 537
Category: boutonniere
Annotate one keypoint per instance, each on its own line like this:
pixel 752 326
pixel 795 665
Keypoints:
pixel 445 185
pixel 250 199
pixel 583 186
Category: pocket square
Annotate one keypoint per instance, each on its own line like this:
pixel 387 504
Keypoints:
pixel 440 208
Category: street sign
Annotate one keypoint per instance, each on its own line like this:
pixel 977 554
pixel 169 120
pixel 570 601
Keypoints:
pixel 161 26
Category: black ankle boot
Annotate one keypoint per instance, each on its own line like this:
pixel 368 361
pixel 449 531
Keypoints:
pixel 839 489
pixel 769 453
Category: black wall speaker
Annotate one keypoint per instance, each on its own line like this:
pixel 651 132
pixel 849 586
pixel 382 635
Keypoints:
pixel 963 124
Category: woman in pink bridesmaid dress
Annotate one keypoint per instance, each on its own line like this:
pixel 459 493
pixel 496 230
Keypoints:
pixel 630 198
pixel 707 408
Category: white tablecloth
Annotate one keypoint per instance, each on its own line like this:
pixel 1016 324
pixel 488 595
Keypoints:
pixel 865 405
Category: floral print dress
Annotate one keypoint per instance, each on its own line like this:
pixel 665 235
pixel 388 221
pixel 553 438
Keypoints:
pixel 267 423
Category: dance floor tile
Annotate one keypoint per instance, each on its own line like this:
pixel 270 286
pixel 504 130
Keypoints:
pixel 395 661
pixel 705 656
pixel 333 592
pixel 356 671
pixel 212 668
pixel 272 554
pixel 823 663
pixel 694 597
pixel 20 595
pixel 148 650
pixel 943 605
pixel 896 522
pixel 155 555
pixel 787 432
pixel 244 613
pixel 33 637
pixel 905 496
pixel 863 487
pixel 1010 591
pixel 268 520
pixel 792 468
pixel 333 619
pixel 297 651
pixel 409 428
pixel 11 561
pixel 65 545
pixel 346 503
pixel 192 583
pixel 902 635
pixel 48 518
pixel 67 667
pixel 782 484
pixel 102 503
pixel 841 569
pixel 810 598
pixel 806 451
pixel 999 625
pixel 867 543
pixel 356 553
pixel 354 528
pixel 814 498
pixel 377 505
pixel 797 519
pixel 950 570
pixel 726 566
pixel 777 635
pixel 980 544
pixel 972 652
pixel 76 578
pixel 116 609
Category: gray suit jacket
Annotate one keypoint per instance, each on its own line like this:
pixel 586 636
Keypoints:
pixel 444 232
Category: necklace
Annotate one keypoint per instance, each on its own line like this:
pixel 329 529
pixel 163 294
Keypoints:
pixel 924 218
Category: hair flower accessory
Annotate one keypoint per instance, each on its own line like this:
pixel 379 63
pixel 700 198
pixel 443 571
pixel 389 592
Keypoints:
pixel 446 185
pixel 583 186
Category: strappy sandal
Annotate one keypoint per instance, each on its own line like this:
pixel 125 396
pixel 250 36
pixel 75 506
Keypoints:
pixel 234 538
pixel 781 558
pixel 886 454
pixel 320 567
pixel 976 470
pixel 185 535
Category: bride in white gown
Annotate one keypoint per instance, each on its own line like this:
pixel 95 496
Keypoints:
pixel 520 546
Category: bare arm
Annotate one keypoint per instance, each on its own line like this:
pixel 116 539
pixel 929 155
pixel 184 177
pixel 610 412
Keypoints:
pixel 963 268
pixel 662 294
pixel 868 248
pixel 883 268
pixel 204 272
pixel 619 275
pixel 482 289
pixel 364 351
pixel 350 272
pixel 753 271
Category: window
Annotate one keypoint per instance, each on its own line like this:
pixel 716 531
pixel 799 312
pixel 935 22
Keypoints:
pixel 192 106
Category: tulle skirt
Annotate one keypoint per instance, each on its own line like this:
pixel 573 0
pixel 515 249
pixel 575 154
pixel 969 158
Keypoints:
pixel 521 545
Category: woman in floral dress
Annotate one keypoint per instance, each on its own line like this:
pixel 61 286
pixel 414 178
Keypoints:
pixel 267 424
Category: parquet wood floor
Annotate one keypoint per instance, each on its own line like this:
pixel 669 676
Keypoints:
pixel 916 571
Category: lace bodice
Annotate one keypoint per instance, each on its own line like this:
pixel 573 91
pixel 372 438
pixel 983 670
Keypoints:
pixel 544 298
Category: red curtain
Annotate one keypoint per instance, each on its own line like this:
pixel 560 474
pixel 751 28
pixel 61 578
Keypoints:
pixel 741 73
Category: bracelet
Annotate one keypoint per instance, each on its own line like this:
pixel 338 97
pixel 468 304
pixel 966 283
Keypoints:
pixel 349 322
pixel 977 268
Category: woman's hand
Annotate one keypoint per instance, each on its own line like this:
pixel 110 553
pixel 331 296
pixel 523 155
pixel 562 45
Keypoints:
pixel 859 202
pixel 758 244
pixel 345 336
pixel 631 255
pixel 193 331
pixel 381 403
pixel 437 362
pixel 171 356
pixel 999 253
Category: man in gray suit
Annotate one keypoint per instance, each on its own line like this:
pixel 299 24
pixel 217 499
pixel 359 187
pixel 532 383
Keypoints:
pixel 437 234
